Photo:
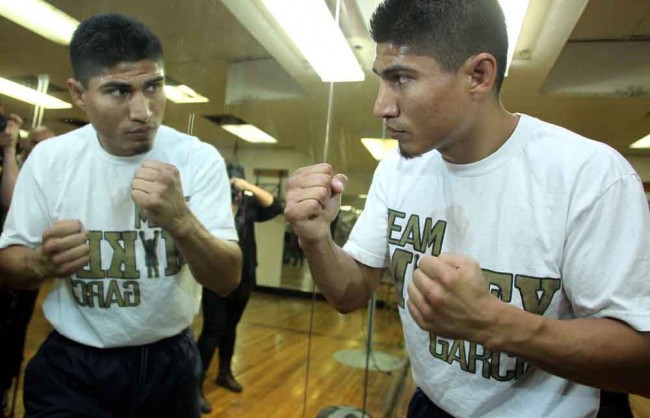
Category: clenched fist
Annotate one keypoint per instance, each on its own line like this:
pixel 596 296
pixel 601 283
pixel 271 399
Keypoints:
pixel 65 249
pixel 448 297
pixel 157 189
pixel 313 201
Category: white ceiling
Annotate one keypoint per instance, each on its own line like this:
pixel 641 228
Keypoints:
pixel 584 64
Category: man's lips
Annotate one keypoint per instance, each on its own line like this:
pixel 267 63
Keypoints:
pixel 395 133
pixel 141 131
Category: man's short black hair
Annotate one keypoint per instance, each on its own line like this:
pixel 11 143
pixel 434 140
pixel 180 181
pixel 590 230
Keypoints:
pixel 105 40
pixel 450 31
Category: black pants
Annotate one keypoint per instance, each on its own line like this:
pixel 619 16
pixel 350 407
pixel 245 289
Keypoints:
pixel 220 318
pixel 612 405
pixel 16 308
pixel 68 379
pixel 421 406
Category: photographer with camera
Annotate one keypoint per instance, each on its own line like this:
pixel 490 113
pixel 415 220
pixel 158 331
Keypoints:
pixel 9 131
pixel 11 349
pixel 16 306
pixel 221 315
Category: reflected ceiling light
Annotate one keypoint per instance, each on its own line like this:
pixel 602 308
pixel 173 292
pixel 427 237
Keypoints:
pixel 183 94
pixel 311 27
pixel 642 143
pixel 242 129
pixel 379 148
pixel 515 12
pixel 31 96
pixel 41 18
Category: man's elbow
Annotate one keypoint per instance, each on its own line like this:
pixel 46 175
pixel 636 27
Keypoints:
pixel 232 275
pixel 344 306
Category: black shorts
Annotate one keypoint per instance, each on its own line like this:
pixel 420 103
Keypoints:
pixel 421 406
pixel 612 405
pixel 68 379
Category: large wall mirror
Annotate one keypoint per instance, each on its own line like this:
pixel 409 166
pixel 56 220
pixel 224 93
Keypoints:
pixel 296 356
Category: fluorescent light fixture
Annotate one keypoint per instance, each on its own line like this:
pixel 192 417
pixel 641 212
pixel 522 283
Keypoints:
pixel 183 94
pixel 346 208
pixel 379 148
pixel 31 96
pixel 642 143
pixel 242 129
pixel 41 18
pixel 515 12
pixel 250 133
pixel 311 27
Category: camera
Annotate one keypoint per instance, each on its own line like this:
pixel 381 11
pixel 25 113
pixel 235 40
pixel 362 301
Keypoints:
pixel 234 171
pixel 3 123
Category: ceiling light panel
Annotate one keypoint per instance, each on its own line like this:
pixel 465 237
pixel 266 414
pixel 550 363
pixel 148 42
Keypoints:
pixel 379 148
pixel 40 17
pixel 31 96
pixel 312 28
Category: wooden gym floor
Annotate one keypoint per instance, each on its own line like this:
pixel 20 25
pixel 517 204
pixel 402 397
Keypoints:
pixel 271 362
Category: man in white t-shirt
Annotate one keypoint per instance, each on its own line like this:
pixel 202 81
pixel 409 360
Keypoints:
pixel 121 211
pixel 520 250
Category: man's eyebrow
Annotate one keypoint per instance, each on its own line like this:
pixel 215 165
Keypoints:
pixel 389 71
pixel 155 81
pixel 116 84
pixel 128 86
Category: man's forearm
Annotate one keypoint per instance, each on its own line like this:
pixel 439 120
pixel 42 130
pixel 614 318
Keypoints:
pixel 18 268
pixel 604 353
pixel 346 284
pixel 215 263
pixel 264 198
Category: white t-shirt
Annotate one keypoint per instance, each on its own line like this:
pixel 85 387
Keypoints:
pixel 560 227
pixel 136 289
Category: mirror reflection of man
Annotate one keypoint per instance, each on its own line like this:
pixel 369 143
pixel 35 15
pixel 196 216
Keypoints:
pixel 121 344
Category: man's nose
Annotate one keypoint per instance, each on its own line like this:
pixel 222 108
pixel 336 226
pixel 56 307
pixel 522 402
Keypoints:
pixel 385 104
pixel 139 108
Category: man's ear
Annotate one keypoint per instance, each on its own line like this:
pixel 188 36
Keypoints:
pixel 482 70
pixel 77 93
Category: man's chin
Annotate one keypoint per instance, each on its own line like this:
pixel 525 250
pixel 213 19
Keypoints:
pixel 407 154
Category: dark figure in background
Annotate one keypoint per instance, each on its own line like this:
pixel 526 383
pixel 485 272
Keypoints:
pixel 122 344
pixel 221 315
pixel 16 306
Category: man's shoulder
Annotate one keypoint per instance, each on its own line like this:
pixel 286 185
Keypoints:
pixel 183 148
pixel 170 137
pixel 66 145
pixel 559 150
pixel 556 137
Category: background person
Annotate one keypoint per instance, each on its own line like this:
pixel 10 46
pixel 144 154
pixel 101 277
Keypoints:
pixel 221 315
pixel 16 306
